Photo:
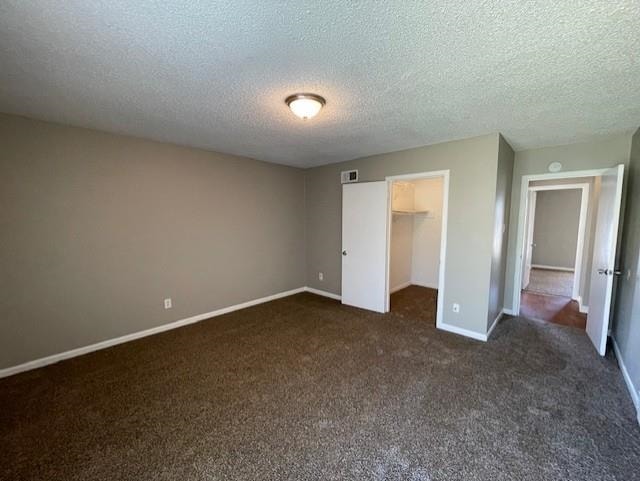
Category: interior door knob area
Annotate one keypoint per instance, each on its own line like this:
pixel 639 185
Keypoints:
pixel 344 253
pixel 609 272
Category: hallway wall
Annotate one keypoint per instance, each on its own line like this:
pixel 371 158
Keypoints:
pixel 592 214
pixel 555 231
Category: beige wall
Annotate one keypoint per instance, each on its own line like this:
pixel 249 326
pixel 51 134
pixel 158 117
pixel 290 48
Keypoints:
pixel 609 151
pixel 500 230
pixel 97 229
pixel 555 231
pixel 427 233
pixel 401 251
pixel 626 319
pixel 472 192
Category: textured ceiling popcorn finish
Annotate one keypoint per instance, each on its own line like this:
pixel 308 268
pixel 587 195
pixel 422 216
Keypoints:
pixel 395 74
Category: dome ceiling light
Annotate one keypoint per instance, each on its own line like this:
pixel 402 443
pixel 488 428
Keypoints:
pixel 305 106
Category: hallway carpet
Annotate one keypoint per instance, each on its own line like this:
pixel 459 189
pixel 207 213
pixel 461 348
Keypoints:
pixel 303 388
pixel 550 282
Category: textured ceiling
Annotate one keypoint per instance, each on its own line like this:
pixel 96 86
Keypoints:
pixel 396 74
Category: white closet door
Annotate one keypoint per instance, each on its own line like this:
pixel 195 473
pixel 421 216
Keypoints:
pixel 364 245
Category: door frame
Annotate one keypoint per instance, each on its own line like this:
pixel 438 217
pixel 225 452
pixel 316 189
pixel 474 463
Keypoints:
pixel 528 233
pixel 522 210
pixel 445 175
pixel 582 227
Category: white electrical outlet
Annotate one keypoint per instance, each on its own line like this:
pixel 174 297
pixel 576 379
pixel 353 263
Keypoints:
pixel 456 307
pixel 320 276
pixel 168 304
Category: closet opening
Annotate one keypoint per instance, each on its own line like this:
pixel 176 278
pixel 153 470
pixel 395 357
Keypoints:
pixel 417 227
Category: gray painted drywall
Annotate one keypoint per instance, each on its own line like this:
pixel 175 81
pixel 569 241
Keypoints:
pixel 626 317
pixel 555 230
pixel 500 230
pixel 97 229
pixel 473 166
pixel 609 151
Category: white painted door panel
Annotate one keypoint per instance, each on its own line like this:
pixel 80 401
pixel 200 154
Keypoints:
pixel 364 245
pixel 528 248
pixel 604 256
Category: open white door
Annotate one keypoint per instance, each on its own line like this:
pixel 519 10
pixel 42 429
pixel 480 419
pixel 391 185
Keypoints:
pixel 364 245
pixel 604 256
pixel 528 247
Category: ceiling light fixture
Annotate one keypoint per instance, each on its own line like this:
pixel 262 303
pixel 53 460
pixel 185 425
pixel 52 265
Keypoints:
pixel 305 106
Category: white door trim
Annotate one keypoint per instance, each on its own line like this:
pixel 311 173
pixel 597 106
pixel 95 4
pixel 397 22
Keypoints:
pixel 528 245
pixel 538 188
pixel 582 227
pixel 524 190
pixel 444 174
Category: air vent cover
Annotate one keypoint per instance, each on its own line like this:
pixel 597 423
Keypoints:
pixel 349 176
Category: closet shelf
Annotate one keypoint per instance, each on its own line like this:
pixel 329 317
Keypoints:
pixel 409 212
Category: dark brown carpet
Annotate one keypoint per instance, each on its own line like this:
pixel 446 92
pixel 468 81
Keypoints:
pixel 416 302
pixel 305 389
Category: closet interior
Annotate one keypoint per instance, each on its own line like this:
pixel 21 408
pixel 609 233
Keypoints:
pixel 416 229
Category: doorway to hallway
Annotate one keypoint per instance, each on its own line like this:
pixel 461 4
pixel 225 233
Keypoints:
pixel 596 264
pixel 556 235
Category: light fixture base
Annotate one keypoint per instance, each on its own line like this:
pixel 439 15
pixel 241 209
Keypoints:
pixel 305 105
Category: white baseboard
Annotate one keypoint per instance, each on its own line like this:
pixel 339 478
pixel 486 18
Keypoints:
pixel 28 366
pixel 463 332
pixel 552 268
pixel 627 379
pixel 399 287
pixel 412 283
pixel 495 323
pixel 424 284
pixel 472 334
pixel 318 292
pixel 581 307
pixel 509 312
